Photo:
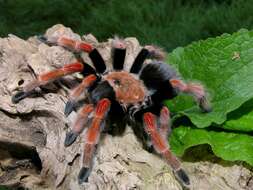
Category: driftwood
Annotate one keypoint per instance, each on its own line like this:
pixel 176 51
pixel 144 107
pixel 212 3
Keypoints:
pixel 32 152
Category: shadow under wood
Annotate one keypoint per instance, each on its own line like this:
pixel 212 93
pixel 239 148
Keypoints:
pixel 19 165
pixel 20 152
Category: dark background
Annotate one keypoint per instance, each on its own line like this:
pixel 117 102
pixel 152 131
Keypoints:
pixel 168 23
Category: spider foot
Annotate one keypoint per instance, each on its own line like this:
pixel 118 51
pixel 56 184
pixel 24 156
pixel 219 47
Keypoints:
pixel 182 176
pixel 70 105
pixel 150 148
pixel 70 138
pixel 20 95
pixel 204 105
pixel 84 175
pixel 44 40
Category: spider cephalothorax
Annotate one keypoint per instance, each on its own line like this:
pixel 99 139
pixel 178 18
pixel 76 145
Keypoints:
pixel 118 95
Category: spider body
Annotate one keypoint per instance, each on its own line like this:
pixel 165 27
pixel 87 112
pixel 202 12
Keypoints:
pixel 120 96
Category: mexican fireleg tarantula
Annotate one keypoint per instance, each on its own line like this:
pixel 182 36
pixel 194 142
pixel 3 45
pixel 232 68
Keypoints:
pixel 120 96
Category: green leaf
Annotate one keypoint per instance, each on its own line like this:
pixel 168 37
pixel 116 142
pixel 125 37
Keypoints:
pixel 228 146
pixel 225 66
pixel 241 119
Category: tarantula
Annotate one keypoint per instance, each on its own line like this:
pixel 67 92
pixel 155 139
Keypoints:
pixel 120 97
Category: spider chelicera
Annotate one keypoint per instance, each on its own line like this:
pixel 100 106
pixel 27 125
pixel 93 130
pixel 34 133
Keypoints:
pixel 120 96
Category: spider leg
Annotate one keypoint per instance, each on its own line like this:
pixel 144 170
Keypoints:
pixel 164 123
pixel 148 51
pixel 161 146
pixel 194 89
pixel 73 45
pixel 92 137
pixel 46 78
pixel 118 53
pixel 78 46
pixel 76 92
pixel 80 123
pixel 139 60
pixel 155 52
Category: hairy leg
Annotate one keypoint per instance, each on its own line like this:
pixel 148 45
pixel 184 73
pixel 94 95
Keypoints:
pixel 92 137
pixel 196 90
pixel 76 92
pixel 148 51
pixel 46 78
pixel 80 123
pixel 155 52
pixel 162 147
pixel 73 45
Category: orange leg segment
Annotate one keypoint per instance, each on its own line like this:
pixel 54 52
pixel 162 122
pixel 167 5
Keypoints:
pixel 65 70
pixel 74 45
pixel 68 43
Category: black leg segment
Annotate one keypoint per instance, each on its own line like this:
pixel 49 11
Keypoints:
pixel 97 60
pixel 182 176
pixel 118 58
pixel 88 70
pixel 70 138
pixel 139 60
pixel 20 95
pixel 83 175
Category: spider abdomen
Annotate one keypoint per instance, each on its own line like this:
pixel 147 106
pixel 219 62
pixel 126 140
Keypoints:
pixel 156 77
pixel 156 73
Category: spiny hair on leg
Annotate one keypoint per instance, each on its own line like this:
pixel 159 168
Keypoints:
pixel 118 43
pixel 156 52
